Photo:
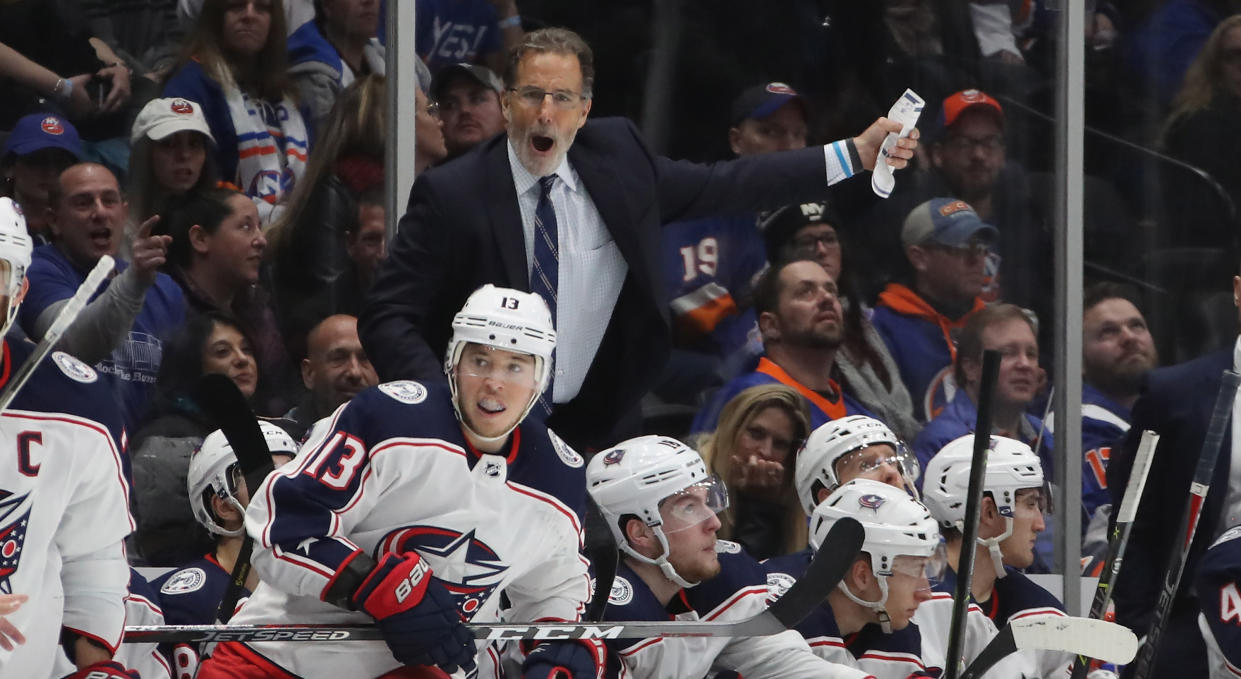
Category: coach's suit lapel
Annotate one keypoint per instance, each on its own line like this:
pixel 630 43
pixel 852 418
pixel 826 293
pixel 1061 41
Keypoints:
pixel 504 214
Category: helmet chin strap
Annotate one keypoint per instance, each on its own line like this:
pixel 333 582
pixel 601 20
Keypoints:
pixel 881 612
pixel 993 547
pixel 486 440
pixel 665 566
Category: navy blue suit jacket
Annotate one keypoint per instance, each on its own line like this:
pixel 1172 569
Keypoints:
pixel 1176 403
pixel 462 228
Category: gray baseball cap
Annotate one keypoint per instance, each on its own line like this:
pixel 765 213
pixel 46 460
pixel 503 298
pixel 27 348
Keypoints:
pixel 946 221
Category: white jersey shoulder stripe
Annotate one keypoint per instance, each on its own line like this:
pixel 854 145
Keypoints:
pixel 1046 610
pixel 834 642
pixel 895 657
pixel 554 502
pixel 641 645
pixel 737 597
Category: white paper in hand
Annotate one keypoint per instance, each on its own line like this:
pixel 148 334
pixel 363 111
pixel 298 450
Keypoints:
pixel 905 111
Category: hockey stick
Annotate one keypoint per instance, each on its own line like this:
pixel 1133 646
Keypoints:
pixel 603 558
pixel 67 315
pixel 1091 638
pixel 827 569
pixel 1119 538
pixel 220 398
pixel 973 508
pixel 1198 488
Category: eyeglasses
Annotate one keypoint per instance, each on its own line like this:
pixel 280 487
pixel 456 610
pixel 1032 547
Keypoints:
pixel 533 97
pixel 961 143
pixel 810 242
pixel 433 108
pixel 973 248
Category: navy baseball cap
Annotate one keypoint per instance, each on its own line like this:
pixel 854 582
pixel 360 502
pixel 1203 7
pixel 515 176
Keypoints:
pixel 761 101
pixel 946 221
pixel 39 131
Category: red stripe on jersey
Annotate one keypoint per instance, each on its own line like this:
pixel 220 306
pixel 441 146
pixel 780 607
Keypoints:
pixel 826 641
pixel 308 564
pixel 111 647
pixel 760 590
pixel 1038 611
pixel 641 645
pixel 145 602
pixel 907 658
pixel 554 502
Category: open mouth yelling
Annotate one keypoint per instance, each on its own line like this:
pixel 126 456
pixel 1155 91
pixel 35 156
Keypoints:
pixel 101 238
pixel 541 144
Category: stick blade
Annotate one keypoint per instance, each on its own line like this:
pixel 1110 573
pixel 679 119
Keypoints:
pixel 830 563
pixel 1097 639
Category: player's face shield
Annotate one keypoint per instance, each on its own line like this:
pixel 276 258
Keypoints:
pixel 484 362
pixel 923 568
pixel 695 504
pixel 6 280
pixel 1030 501
pixel 880 462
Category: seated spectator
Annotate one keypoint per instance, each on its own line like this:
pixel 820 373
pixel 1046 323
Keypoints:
pixel 123 329
pixel 311 265
pixel 172 154
pixel 946 245
pixel 469 99
pixel 710 263
pixel 335 370
pixel 216 252
pixel 218 496
pixel 235 68
pixel 867 370
pixel 212 342
pixel 474 31
pixel 339 46
pixel 1007 329
pixel 38 149
pixel 799 316
pixel 752 450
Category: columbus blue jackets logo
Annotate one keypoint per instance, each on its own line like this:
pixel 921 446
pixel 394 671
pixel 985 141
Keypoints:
pixel 185 581
pixel 14 518
pixel 405 391
pixel 871 502
pixel 779 583
pixel 566 453
pixel 75 369
pixel 613 457
pixel 468 567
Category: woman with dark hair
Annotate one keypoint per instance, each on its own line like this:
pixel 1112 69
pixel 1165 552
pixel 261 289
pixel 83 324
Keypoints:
pixel 752 450
pixel 863 365
pixel 215 255
pixel 235 66
pixel 211 342
pixel 172 154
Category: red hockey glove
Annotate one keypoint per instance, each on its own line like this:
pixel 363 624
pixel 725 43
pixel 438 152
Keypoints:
pixel 416 614
pixel 105 670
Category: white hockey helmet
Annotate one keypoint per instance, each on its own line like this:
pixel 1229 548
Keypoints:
pixel 1011 466
pixel 896 525
pixel 816 462
pixel 632 480
pixel 213 469
pixel 15 248
pixel 503 318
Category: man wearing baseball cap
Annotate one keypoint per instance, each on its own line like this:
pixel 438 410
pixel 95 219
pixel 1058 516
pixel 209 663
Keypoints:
pixel 969 151
pixel 767 117
pixel 469 98
pixel 946 246
pixel 38 149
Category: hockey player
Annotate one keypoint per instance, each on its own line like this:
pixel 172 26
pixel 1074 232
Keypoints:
pixel 852 447
pixel 191 595
pixel 64 505
pixel 419 506
pixel 660 504
pixel 1218 583
pixel 1014 500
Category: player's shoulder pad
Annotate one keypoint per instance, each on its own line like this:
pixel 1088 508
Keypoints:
pixel 384 411
pixel 548 464
pixel 631 599
pixel 64 384
pixel 1223 560
pixel 1019 592
pixel 738 571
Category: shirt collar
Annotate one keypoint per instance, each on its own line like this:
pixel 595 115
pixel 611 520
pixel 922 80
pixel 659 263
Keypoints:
pixel 524 181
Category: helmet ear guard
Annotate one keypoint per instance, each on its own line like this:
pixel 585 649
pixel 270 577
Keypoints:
pixel 16 247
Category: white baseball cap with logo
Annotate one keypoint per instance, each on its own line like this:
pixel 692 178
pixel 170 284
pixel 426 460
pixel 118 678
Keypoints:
pixel 162 118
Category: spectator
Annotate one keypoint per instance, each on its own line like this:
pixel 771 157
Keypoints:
pixel 146 35
pixel 461 231
pixel 335 370
pixel 173 154
pixel 429 146
pixel 167 533
pixel 752 450
pixel 710 263
pixel 865 365
pixel 216 251
pixel 328 54
pixel 1117 352
pixel 38 149
pixel 946 244
pixel 123 329
pixel 469 99
pixel 235 67
pixel 311 265
pixel 800 318
pixel 1161 50
pixel 1007 329
pixel 474 31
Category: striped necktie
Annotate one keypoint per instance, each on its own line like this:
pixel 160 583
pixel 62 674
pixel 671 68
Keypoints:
pixel 545 274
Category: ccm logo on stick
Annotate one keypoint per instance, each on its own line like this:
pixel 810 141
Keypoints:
pixel 552 633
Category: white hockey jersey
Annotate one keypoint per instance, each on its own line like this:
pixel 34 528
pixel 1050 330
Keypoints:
pixel 64 509
pixel 395 473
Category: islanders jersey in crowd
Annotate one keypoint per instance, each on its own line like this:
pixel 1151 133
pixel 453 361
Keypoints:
pixel 1218 583
pixel 191 595
pixel 1104 423
pixel 923 342
pixel 393 472
pixel 64 509
pixel 824 407
pixel 738 592
pixel 709 266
